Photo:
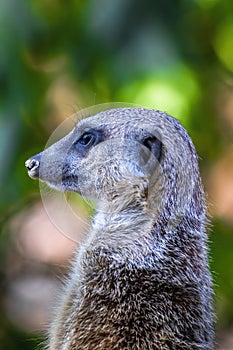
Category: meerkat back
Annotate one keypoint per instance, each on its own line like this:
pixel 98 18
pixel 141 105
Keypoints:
pixel 140 280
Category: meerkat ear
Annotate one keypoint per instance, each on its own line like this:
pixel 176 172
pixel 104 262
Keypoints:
pixel 154 145
pixel 151 153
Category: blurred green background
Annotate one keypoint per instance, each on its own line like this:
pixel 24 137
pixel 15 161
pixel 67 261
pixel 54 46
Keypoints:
pixel 58 57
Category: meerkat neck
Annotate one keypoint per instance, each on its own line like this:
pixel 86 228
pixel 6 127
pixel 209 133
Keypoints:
pixel 121 226
pixel 113 229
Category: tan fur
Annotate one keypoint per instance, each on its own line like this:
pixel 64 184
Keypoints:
pixel 140 279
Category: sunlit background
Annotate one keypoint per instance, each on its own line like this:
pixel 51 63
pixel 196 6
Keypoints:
pixel 58 57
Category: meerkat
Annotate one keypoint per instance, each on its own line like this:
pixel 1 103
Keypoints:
pixel 140 279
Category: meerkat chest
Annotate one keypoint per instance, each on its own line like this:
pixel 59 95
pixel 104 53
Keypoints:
pixel 121 308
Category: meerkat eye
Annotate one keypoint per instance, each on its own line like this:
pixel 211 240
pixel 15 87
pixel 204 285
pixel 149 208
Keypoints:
pixel 87 139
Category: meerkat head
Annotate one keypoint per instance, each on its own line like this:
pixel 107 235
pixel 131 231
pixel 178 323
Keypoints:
pixel 103 155
pixel 131 155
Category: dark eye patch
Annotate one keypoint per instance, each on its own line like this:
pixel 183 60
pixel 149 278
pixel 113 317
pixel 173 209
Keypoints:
pixel 87 140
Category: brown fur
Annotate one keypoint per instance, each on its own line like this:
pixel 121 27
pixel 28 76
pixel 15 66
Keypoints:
pixel 141 278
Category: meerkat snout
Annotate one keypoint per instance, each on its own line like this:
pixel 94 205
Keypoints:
pixel 33 166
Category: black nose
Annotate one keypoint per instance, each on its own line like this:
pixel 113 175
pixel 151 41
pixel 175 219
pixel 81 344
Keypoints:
pixel 33 166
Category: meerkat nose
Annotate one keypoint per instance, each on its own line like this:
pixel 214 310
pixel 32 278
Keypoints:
pixel 33 166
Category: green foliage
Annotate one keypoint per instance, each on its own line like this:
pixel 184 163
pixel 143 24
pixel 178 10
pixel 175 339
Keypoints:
pixel 222 268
